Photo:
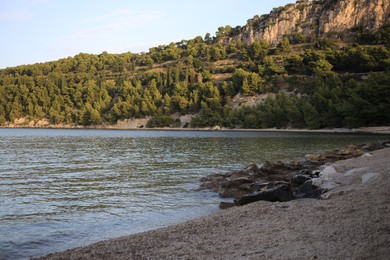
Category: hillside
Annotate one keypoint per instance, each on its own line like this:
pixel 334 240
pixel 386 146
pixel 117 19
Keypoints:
pixel 313 64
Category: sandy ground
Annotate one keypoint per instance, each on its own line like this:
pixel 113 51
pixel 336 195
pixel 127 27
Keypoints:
pixel 351 222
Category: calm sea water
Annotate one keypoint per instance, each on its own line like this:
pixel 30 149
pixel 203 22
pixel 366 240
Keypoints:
pixel 66 188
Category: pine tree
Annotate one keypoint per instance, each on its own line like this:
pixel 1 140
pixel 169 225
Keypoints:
pixel 311 115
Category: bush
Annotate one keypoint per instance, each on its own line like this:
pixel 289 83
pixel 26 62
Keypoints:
pixel 160 121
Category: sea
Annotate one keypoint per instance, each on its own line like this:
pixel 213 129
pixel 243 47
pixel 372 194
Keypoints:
pixel 64 188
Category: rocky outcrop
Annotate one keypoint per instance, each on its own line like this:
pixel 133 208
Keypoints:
pixel 269 181
pixel 345 153
pixel 284 181
pixel 317 18
pixel 133 123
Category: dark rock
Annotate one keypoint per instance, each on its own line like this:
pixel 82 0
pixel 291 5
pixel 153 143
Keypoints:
pixel 226 205
pixel 300 178
pixel 235 183
pixel 249 171
pixel 275 171
pixel 315 173
pixel 248 187
pixel 252 168
pixel 212 183
pixel 231 193
pixel 239 174
pixel 262 185
pixel 280 192
pixel 277 183
pixel 374 146
pixel 308 190
pixel 235 188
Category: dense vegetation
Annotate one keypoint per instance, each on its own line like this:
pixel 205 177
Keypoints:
pixel 306 82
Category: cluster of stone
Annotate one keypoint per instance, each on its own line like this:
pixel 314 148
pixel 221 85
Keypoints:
pixel 283 181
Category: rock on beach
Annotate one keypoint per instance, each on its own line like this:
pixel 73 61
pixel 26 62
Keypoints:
pixel 285 181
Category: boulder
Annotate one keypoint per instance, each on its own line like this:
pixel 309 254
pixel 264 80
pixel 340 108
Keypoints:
pixel 355 171
pixel 368 176
pixel 280 192
pixel 328 185
pixel 374 146
pixel 278 171
pixel 328 173
pixel 235 188
pixel 308 190
pixel 252 169
pixel 235 183
pixel 226 205
pixel 300 178
pixel 212 183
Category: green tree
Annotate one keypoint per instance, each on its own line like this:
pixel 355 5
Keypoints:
pixel 16 109
pixel 321 67
pixel 90 116
pixel 311 115
pixel 167 104
pixel 283 46
pixel 294 113
pixel 259 49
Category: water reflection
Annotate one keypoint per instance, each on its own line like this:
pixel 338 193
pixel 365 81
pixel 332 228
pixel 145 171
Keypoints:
pixel 65 188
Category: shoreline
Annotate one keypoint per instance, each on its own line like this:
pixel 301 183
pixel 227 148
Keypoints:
pixel 385 130
pixel 351 221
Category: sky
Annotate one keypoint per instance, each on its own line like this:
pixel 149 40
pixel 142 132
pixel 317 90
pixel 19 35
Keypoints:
pixel 33 31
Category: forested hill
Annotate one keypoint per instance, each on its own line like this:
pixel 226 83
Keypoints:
pixel 295 67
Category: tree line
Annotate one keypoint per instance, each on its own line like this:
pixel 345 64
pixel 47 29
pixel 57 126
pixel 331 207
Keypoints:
pixel 309 83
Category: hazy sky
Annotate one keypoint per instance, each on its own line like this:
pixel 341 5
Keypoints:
pixel 43 30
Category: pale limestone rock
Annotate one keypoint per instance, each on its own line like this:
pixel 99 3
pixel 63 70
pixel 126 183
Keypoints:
pixel 42 123
pixel 328 173
pixel 368 176
pixel 328 185
pixel 317 19
pixel 355 171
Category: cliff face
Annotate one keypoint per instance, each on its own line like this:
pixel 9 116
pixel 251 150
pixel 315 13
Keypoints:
pixel 317 18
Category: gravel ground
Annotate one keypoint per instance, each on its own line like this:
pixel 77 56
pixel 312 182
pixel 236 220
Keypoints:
pixel 352 221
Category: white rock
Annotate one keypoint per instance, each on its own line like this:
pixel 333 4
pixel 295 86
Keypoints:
pixel 328 185
pixel 328 173
pixel 331 194
pixel 317 182
pixel 355 171
pixel 368 176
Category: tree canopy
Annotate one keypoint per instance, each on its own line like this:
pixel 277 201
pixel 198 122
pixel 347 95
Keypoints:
pixel 314 84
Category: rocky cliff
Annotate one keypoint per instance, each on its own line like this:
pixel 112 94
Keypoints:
pixel 317 18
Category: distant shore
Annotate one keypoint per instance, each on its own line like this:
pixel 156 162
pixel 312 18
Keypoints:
pixel 141 124
pixel 351 222
pixel 365 130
